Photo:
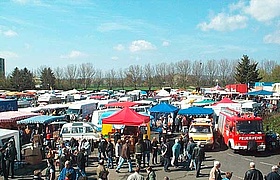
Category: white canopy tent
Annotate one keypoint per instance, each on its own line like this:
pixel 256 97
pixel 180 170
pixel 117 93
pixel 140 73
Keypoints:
pixel 6 135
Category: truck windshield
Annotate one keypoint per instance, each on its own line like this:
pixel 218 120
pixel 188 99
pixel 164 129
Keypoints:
pixel 72 111
pixel 200 129
pixel 249 127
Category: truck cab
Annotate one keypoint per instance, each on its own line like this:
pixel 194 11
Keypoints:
pixel 201 131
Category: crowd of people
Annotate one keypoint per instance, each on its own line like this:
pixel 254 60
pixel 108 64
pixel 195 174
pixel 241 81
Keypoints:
pixel 71 158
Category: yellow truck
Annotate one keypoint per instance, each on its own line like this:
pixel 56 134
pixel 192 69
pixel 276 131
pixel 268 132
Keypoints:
pixel 201 130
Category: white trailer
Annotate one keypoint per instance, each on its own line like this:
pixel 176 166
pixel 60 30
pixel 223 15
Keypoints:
pixel 6 135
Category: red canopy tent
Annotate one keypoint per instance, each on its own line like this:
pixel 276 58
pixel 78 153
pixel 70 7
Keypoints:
pixel 121 104
pixel 126 116
pixel 225 100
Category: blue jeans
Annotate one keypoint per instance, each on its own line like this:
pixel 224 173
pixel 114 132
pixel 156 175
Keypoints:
pixel 146 153
pixel 121 161
pixel 82 172
pixel 189 160
pixel 110 162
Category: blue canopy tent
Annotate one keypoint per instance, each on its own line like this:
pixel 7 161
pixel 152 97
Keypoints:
pixel 163 108
pixel 260 93
pixel 196 111
pixel 43 119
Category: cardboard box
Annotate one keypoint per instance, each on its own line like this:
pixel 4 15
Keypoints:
pixel 33 159
pixel 32 152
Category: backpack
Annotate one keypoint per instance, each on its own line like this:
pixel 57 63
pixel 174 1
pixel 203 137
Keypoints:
pixel 102 146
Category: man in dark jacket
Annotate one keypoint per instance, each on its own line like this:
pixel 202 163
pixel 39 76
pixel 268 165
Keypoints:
pixel 198 155
pixel 3 163
pixel 273 175
pixel 139 152
pixel 102 148
pixel 166 153
pixel 125 156
pixel 81 162
pixel 147 147
pixel 11 154
pixel 253 173
pixel 189 150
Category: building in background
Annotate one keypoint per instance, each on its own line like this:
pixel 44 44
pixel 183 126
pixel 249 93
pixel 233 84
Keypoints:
pixel 2 67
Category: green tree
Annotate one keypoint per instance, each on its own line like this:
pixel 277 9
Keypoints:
pixel 246 71
pixel 22 79
pixel 47 78
pixel 275 74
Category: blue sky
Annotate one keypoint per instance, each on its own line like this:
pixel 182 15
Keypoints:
pixel 114 34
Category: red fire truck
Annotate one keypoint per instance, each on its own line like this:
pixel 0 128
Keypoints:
pixel 241 130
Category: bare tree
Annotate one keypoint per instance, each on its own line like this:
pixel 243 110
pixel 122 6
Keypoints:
pixel 121 78
pixel 161 71
pixel 98 78
pixel 183 69
pixel 59 74
pixel 170 74
pixel 71 72
pixel 86 73
pixel 226 69
pixel 110 77
pixel 134 75
pixel 211 71
pixel 148 75
pixel 197 73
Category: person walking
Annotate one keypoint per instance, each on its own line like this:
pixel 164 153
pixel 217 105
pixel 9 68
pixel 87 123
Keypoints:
pixel 125 156
pixel 166 153
pixel 253 173
pixel 11 154
pixel 67 171
pixel 147 147
pixel 273 175
pixel 37 175
pixel 228 176
pixel 155 145
pixel 151 173
pixel 139 152
pixel 189 150
pixel 176 153
pixel 215 173
pixel 50 171
pixel 118 150
pixel 81 162
pixel 101 171
pixel 136 175
pixel 110 152
pixel 198 155
pixel 3 162
pixel 102 148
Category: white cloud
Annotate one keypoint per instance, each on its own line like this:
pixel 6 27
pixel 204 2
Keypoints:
pixel 21 1
pixel 106 27
pixel 273 38
pixel 141 45
pixel 264 10
pixel 114 58
pixel 10 33
pixel 165 43
pixel 73 54
pixel 8 54
pixel 237 6
pixel 119 47
pixel 224 22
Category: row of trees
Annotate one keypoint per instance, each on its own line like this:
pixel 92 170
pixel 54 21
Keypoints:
pixel 180 74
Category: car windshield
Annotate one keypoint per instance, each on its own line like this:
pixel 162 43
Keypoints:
pixel 200 129
pixel 249 127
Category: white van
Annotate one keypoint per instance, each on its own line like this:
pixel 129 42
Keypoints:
pixel 79 131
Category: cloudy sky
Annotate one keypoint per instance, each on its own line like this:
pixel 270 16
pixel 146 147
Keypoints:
pixel 115 34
